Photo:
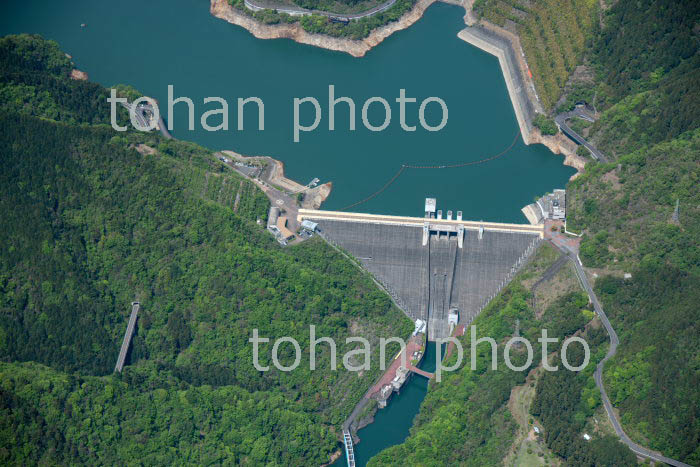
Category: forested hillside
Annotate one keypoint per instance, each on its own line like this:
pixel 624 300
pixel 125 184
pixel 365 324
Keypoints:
pixel 655 378
pixel 643 71
pixel 639 63
pixel 649 61
pixel 149 417
pixel 93 219
pixel 626 210
pixel 33 80
pixel 465 419
pixel 322 24
pixel 553 35
pixel 627 207
pixel 337 6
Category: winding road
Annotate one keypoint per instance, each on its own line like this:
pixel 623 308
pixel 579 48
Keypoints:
pixel 598 375
pixel 143 120
pixel 566 129
pixel 299 11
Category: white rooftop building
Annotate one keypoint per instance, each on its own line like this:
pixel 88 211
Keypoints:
pixel 309 225
pixel 430 206
pixel 550 206
pixel 453 317
pixel 420 327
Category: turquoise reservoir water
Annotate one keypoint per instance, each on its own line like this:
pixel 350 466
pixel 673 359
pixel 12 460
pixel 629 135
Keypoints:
pixel 150 44
pixel 391 424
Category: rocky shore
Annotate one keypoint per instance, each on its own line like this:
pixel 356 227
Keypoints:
pixel 334 457
pixel 78 75
pixel 560 144
pixel 357 48
pixel 482 34
pixel 273 174
pixel 521 89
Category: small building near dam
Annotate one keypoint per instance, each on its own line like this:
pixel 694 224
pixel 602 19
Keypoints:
pixel 551 206
pixel 438 270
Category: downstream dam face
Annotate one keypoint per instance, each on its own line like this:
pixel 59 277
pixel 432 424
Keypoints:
pixel 422 263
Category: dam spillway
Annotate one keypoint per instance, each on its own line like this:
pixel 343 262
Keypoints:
pixel 421 264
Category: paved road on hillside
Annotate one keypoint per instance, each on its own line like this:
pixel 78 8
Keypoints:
pixel 614 342
pixel 281 199
pixel 140 117
pixel 419 221
pixel 294 10
pixel 561 122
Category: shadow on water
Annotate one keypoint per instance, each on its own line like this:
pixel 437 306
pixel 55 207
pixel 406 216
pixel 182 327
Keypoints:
pixel 391 424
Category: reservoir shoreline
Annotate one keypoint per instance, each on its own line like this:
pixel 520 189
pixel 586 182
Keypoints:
pixel 521 90
pixel 224 52
pixel 357 48
pixel 483 35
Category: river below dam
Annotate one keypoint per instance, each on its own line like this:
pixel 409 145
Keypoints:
pixel 392 423
pixel 152 44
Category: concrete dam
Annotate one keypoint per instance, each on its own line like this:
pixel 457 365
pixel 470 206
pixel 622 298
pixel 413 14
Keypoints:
pixel 441 271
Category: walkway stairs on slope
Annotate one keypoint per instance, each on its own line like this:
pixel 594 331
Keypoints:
pixel 127 337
